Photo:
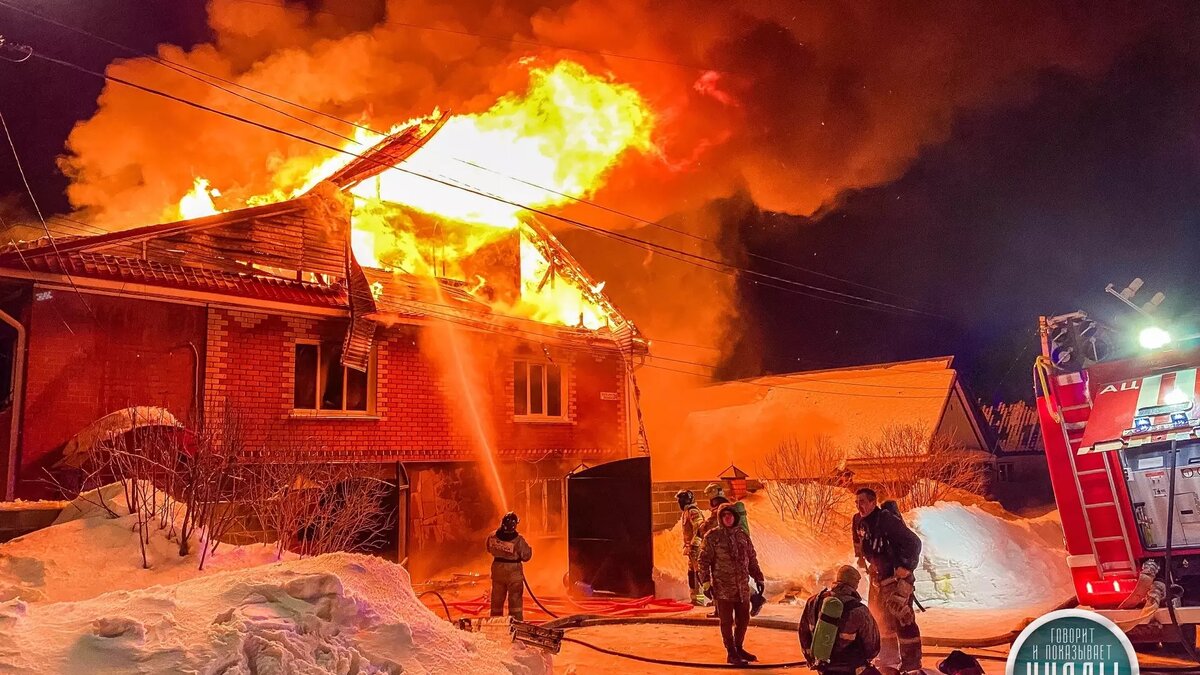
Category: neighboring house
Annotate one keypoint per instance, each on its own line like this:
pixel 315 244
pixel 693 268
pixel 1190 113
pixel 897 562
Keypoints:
pixel 266 312
pixel 1022 476
pixel 744 421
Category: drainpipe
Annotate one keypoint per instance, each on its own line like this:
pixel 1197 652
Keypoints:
pixel 18 386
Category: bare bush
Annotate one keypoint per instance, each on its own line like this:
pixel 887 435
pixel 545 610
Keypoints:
pixel 804 482
pixel 918 468
pixel 317 507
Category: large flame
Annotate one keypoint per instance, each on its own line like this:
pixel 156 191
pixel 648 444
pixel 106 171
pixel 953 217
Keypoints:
pixel 199 201
pixel 549 146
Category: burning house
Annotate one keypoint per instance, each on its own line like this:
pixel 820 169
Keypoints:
pixel 376 314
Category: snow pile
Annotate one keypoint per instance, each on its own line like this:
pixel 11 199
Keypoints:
pixel 338 613
pixel 87 552
pixel 973 556
pixel 791 555
pixel 973 559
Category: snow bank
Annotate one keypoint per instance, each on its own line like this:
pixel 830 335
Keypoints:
pixel 973 559
pixel 338 613
pixel 973 556
pixel 792 556
pixel 88 552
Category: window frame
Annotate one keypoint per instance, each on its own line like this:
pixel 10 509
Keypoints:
pixel 563 389
pixel 538 507
pixel 318 411
pixel 1004 472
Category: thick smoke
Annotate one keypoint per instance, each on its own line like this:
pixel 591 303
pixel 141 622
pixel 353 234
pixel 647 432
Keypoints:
pixel 790 103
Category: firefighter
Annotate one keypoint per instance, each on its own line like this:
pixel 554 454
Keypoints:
pixel 727 558
pixel 692 522
pixel 839 637
pixel 890 552
pixel 716 497
pixel 509 551
pixel 960 663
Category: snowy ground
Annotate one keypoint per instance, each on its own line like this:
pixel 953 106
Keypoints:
pixel 74 598
pixel 973 557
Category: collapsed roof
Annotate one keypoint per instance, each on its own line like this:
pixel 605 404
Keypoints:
pixel 297 252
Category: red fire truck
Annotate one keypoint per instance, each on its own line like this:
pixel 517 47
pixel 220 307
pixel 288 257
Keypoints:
pixel 1122 438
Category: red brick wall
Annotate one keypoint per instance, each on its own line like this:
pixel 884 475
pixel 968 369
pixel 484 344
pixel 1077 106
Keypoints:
pixel 251 361
pixel 85 363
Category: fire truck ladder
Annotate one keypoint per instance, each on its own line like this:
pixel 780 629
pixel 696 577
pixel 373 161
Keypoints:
pixel 1072 419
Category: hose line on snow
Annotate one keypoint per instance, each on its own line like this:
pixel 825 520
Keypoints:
pixel 444 605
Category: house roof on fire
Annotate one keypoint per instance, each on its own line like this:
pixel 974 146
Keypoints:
pixel 742 422
pixel 289 254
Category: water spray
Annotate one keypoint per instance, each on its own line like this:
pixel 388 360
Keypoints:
pixel 471 396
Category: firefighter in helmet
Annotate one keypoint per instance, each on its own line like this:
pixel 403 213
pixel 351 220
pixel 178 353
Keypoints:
pixel 509 551
pixel 889 551
pixel 692 523
pixel 837 632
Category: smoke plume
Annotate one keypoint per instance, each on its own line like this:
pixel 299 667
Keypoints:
pixel 790 103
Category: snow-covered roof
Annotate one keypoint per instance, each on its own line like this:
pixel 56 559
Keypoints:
pixel 741 422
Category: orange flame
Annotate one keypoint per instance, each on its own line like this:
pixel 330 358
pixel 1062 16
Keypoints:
pixel 554 144
pixel 198 202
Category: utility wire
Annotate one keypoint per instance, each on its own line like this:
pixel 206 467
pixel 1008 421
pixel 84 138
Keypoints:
pixel 665 250
pixel 188 71
pixel 37 209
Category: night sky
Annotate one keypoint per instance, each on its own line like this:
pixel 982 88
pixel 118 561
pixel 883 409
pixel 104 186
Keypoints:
pixel 1029 206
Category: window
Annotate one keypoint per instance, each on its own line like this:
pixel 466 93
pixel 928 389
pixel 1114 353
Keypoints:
pixel 324 384
pixel 538 390
pixel 1004 472
pixel 541 503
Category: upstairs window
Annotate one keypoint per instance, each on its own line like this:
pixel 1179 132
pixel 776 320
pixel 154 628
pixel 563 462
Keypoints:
pixel 323 384
pixel 538 389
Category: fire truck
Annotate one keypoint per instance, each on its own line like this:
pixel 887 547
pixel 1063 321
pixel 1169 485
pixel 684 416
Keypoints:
pixel 1122 439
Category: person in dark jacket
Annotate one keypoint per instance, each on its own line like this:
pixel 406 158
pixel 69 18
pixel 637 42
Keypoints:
pixel 727 558
pixel 890 552
pixel 857 633
pixel 509 551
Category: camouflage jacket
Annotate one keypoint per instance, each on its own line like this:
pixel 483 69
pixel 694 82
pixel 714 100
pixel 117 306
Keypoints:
pixel 727 560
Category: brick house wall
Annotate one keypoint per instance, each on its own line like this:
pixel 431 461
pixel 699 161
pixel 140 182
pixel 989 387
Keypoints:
pixel 85 361
pixel 251 364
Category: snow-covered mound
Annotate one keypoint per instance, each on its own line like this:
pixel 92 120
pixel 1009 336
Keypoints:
pixel 790 554
pixel 338 613
pixel 88 552
pixel 973 556
pixel 973 559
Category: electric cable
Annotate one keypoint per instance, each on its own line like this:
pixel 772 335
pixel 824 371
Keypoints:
pixel 38 209
pixel 695 259
pixel 1170 573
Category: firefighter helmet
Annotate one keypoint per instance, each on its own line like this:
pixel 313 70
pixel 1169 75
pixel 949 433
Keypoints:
pixel 685 498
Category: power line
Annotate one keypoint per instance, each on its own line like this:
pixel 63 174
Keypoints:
pixel 181 68
pixel 38 209
pixel 425 306
pixel 194 73
pixel 665 250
